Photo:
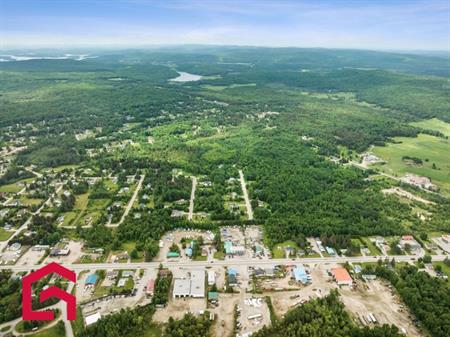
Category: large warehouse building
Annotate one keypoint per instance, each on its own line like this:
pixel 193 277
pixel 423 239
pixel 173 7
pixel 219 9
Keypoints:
pixel 191 286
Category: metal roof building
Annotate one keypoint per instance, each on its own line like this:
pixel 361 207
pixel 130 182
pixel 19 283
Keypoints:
pixel 91 279
pixel 300 275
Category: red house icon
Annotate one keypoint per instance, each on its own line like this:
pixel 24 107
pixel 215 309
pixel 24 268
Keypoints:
pixel 53 291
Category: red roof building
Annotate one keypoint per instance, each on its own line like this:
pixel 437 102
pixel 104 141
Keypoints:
pixel 150 287
pixel 341 276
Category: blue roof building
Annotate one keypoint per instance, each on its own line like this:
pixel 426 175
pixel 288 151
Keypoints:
pixel 189 251
pixel 300 275
pixel 330 251
pixel 228 245
pixel 232 271
pixel 91 279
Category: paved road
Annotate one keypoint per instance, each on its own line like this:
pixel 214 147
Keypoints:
pixel 227 262
pixel 130 203
pixel 247 200
pixel 191 201
pixel 3 244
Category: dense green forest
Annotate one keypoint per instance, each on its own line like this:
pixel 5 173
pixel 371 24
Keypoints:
pixel 323 317
pixel 428 297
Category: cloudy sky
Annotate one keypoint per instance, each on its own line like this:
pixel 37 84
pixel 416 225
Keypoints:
pixel 368 24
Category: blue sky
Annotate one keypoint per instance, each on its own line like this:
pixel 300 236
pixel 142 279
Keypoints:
pixel 367 24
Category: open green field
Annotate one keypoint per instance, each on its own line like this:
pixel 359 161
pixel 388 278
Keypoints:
pixel 11 188
pixel 81 201
pixel 30 202
pixel 51 332
pixel 431 150
pixel 434 124
pixel 278 250
pixel 4 235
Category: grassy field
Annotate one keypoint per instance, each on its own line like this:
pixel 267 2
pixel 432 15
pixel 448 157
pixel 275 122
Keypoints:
pixel 431 150
pixel 51 332
pixel 11 188
pixel 4 235
pixel 373 250
pixel 434 124
pixel 278 250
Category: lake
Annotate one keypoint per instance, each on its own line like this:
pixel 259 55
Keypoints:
pixel 185 77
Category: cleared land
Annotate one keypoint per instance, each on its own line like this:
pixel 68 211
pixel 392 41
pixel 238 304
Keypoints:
pixel 434 152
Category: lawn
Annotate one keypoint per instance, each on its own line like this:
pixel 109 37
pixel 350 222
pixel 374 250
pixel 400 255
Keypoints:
pixel 373 250
pixel 278 250
pixel 81 201
pixel 68 218
pixel 30 202
pixel 4 235
pixel 129 246
pixel 11 188
pixel 98 203
pixel 434 124
pixel 52 332
pixel 431 150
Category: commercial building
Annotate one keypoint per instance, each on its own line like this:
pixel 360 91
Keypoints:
pixel 89 320
pixel 341 276
pixel 300 275
pixel 191 286
pixel 231 249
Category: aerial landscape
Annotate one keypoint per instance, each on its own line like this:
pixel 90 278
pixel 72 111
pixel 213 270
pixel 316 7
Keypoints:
pixel 224 188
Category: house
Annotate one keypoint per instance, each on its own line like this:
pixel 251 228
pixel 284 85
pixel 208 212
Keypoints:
pixel 127 273
pixel 112 275
pixel 330 251
pixel 232 271
pixel 122 282
pixel 341 276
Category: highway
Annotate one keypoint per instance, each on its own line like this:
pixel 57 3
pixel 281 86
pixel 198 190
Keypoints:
pixel 228 262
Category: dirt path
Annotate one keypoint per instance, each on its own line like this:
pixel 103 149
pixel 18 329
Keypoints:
pixel 247 200
pixel 130 203
pixel 191 201
pixel 402 193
